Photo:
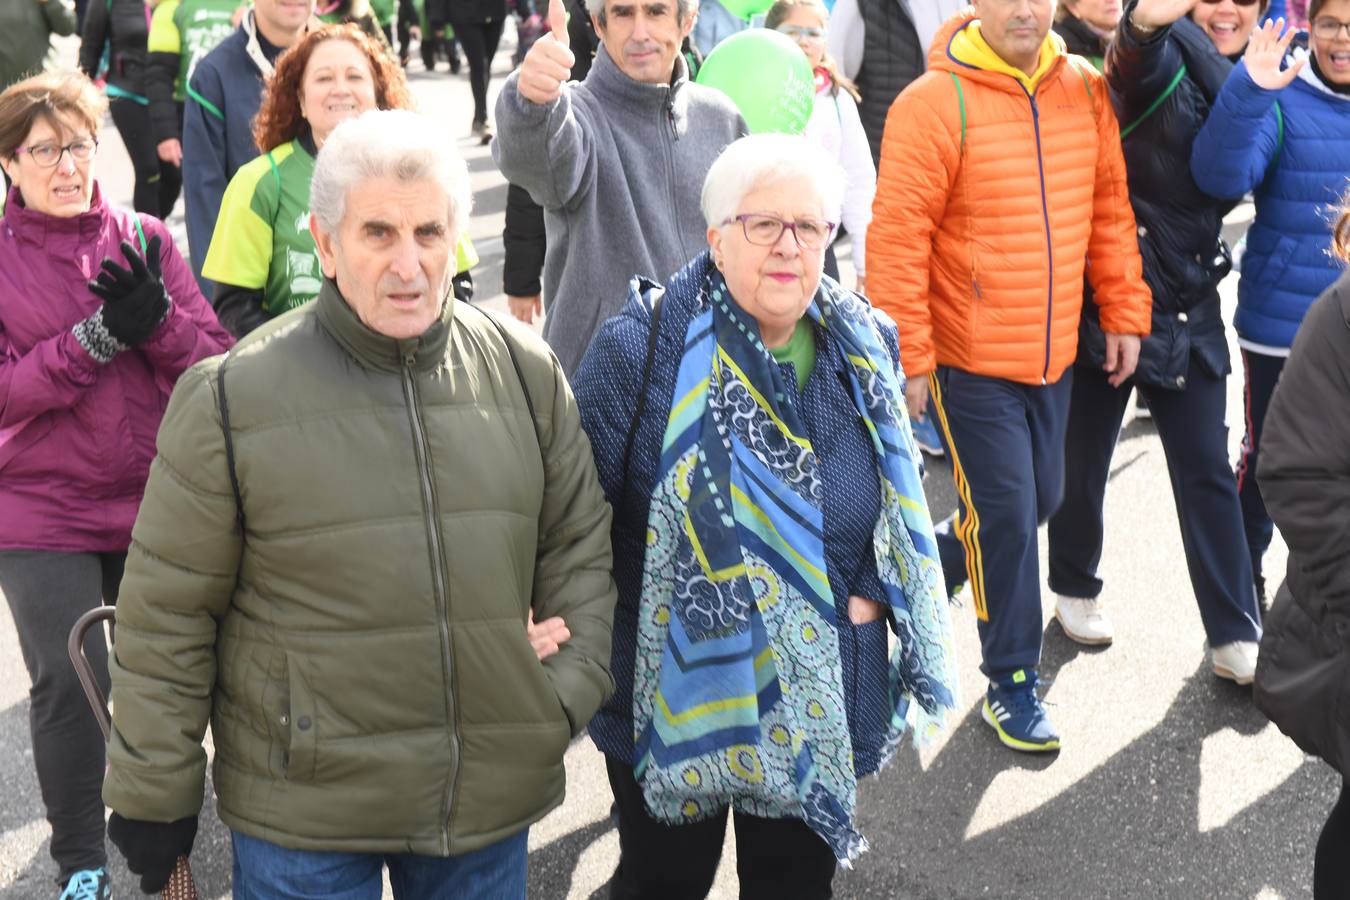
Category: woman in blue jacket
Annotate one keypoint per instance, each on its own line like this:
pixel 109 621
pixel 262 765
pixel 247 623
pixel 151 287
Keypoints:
pixel 1166 66
pixel 1292 155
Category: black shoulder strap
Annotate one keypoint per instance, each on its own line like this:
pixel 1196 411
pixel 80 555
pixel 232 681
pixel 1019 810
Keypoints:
pixel 520 375
pixel 229 444
pixel 655 316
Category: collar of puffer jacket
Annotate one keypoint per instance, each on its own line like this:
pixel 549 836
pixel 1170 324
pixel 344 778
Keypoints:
pixel 55 234
pixel 377 351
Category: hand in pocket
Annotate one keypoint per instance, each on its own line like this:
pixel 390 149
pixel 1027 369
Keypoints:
pixel 861 610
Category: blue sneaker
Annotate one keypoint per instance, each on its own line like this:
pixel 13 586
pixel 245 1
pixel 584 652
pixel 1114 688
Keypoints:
pixel 89 884
pixel 926 436
pixel 1012 709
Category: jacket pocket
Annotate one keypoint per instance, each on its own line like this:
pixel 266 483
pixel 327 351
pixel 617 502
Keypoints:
pixel 498 678
pixel 17 439
pixel 302 721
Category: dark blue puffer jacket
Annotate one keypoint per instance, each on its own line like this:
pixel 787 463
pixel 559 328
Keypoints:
pixel 1162 90
pixel 1297 164
pixel 606 386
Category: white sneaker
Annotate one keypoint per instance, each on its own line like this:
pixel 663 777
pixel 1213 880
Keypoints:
pixel 1083 620
pixel 1235 661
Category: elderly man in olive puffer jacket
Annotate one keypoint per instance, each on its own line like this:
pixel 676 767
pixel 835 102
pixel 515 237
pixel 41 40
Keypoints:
pixel 352 524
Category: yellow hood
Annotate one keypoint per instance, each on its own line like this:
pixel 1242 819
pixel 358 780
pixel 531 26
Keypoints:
pixel 969 47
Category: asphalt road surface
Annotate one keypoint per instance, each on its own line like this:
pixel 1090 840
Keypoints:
pixel 1170 784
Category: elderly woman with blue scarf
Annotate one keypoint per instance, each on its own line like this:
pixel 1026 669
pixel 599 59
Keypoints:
pixel 770 528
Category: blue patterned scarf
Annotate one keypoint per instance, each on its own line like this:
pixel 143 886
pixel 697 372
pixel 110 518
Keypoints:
pixel 738 691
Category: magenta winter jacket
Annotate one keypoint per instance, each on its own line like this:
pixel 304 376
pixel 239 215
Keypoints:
pixel 77 436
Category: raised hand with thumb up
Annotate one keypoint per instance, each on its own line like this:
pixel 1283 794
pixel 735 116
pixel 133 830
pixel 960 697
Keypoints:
pixel 548 65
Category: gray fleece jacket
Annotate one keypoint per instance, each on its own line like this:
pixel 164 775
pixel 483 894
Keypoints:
pixel 618 166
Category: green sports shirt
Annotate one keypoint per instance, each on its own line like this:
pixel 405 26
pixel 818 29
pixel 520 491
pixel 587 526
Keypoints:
pixel 190 29
pixel 262 239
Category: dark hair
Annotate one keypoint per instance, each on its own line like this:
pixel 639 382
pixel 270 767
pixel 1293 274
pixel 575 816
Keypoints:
pixel 1315 7
pixel 279 118
pixel 51 97
pixel 781 10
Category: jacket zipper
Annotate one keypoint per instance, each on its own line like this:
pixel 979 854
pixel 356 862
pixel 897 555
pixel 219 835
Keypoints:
pixel 1049 246
pixel 437 577
pixel 669 108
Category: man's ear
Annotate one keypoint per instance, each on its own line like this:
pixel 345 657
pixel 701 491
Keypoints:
pixel 688 27
pixel 326 244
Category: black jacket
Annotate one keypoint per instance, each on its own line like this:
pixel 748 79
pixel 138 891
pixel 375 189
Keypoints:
pixel 892 58
pixel 1304 666
pixel 1178 224
pixel 120 25
pixel 1080 39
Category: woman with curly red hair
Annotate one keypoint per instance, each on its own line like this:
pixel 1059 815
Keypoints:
pixel 262 256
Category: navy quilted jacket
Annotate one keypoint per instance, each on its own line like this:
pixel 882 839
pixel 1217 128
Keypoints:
pixel 1287 263
pixel 606 386
pixel 1162 90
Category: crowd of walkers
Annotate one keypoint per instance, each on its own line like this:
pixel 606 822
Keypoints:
pixel 396 553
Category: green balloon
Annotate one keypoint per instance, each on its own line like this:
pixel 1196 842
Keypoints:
pixel 767 76
pixel 746 9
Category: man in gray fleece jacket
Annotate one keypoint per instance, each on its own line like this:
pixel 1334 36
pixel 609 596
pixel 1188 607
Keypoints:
pixel 617 160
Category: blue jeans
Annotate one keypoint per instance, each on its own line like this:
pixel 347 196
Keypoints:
pixel 265 871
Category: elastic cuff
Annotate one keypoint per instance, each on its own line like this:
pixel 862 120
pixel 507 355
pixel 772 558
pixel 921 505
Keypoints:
pixel 94 337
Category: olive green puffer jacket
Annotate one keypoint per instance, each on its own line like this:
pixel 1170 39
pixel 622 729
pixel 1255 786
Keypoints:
pixel 361 653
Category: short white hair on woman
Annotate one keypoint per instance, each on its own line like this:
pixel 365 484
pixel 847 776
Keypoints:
pixel 396 144
pixel 763 160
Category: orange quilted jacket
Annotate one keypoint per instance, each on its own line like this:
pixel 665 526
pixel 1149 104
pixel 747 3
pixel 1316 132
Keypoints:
pixel 992 201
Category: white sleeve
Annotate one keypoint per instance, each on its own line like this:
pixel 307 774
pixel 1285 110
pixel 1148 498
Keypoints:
pixel 855 155
pixel 844 38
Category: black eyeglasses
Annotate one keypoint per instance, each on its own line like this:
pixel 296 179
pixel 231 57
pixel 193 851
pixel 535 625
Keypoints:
pixel 48 155
pixel 1235 2
pixel 765 230
pixel 1327 29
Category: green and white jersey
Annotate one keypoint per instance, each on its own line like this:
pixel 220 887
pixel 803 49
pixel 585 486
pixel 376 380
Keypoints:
pixel 191 29
pixel 262 238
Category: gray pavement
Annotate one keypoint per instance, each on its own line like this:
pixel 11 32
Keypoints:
pixel 1170 783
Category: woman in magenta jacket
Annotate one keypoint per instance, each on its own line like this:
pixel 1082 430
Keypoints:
pixel 99 315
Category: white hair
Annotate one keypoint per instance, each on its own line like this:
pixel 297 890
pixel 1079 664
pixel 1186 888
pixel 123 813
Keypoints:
pixel 394 143
pixel 683 9
pixel 762 160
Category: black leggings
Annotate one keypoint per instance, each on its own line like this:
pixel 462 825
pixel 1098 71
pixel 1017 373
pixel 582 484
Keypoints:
pixel 775 858
pixel 479 40
pixel 47 591
pixel 157 182
pixel 1331 868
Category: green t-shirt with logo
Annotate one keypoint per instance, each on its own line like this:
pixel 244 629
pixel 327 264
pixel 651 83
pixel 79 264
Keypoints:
pixel 191 29
pixel 262 238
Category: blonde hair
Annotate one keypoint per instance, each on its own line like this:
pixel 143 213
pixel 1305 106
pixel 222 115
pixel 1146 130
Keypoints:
pixel 1340 232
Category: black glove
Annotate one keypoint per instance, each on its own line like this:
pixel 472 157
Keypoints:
pixel 134 300
pixel 152 848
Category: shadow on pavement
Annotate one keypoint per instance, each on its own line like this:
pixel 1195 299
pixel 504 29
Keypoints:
pixel 1129 828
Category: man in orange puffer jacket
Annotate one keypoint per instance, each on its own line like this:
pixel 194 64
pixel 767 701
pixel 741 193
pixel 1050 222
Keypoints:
pixel 1002 183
